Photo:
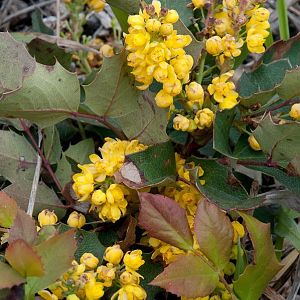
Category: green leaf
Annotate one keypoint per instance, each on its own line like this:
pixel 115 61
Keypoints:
pixel 57 254
pixel 64 171
pixel 16 63
pixel 9 277
pixel 280 142
pixel 129 6
pixel 44 102
pixel 188 276
pixel 287 228
pixel 38 25
pixel 8 210
pixel 222 188
pixel 80 152
pixel 46 198
pixel 17 157
pixel 265 266
pixel 24 259
pixel 152 166
pixel 214 233
pixel 23 228
pixel 222 125
pixel 121 17
pixel 164 219
pixel 51 144
pixel 113 97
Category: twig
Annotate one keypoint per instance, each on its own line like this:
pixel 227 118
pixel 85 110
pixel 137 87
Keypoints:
pixel 26 10
pixel 45 161
pixel 226 161
pixel 57 18
pixel 36 178
pixel 5 7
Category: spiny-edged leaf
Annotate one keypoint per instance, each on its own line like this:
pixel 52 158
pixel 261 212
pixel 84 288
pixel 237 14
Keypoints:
pixel 265 266
pixel 222 187
pixel 9 277
pixel 80 152
pixel 222 124
pixel 195 47
pixel 44 102
pixel 188 276
pixel 149 270
pixel 112 95
pixel 290 182
pixel 24 259
pixel 8 210
pixel 164 219
pixel 279 141
pixel 51 144
pixel 277 72
pixel 38 24
pixel 46 198
pixel 16 63
pixel 129 6
pixel 17 157
pixel 214 233
pixel 64 171
pixel 23 228
pixel 57 254
pixel 150 167
pixel 286 227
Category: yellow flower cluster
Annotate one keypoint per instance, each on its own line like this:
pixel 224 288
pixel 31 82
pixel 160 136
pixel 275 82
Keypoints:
pixel 257 29
pixel 87 280
pixel 96 5
pixel 157 51
pixel 96 184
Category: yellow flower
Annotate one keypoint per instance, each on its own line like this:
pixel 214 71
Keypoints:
pixel 133 260
pixel 153 25
pixel 132 292
pixel 98 197
pixel 89 260
pixel 113 254
pixel 96 5
pixel 47 295
pixel 181 123
pixel 76 220
pixel 231 47
pixel 238 231
pixel 224 91
pixel 253 143
pixel 295 111
pixel 172 88
pixel 223 24
pixel 204 118
pixel 107 274
pixel 83 184
pixel 194 92
pixel 260 14
pixel 166 29
pixel 198 3
pixel 163 99
pixel 136 20
pixel 171 17
pixel 214 45
pixel 47 217
pixel 94 290
pixel 73 297
pixel 128 278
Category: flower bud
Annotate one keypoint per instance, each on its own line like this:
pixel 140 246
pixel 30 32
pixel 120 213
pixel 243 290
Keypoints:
pixel 96 5
pixel 199 3
pixel 107 51
pixel 106 274
pixel 136 20
pixel 204 118
pixel 98 197
pixel 163 99
pixel 133 259
pixel 126 278
pixel 238 231
pixel 253 143
pixel 214 45
pixel 94 290
pixel 172 87
pixel 113 254
pixel 89 260
pixel 166 29
pixel 47 217
pixel 76 220
pixel 295 111
pixel 194 91
pixel 153 25
pixel 171 17
pixel 181 123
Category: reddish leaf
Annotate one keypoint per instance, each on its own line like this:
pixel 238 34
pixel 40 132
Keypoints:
pixel 57 254
pixel 188 276
pixel 23 258
pixel 9 277
pixel 214 233
pixel 8 210
pixel 164 219
pixel 265 266
pixel 23 228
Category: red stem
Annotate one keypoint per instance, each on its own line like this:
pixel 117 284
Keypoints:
pixel 45 161
pixel 226 161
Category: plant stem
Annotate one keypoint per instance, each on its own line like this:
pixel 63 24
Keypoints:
pixel 81 130
pixel 283 20
pixel 226 161
pixel 45 161
pixel 278 247
pixel 199 75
